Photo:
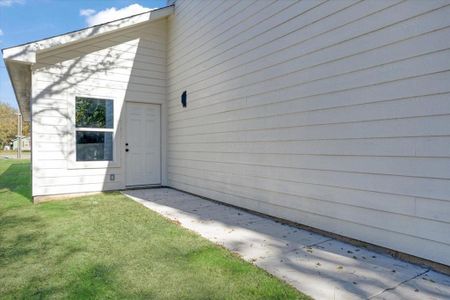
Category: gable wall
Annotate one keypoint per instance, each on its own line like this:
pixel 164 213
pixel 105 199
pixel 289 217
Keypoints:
pixel 331 114
pixel 129 65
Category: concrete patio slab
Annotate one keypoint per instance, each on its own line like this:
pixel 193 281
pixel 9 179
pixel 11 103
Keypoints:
pixel 337 270
pixel 431 285
pixel 257 241
pixel 321 267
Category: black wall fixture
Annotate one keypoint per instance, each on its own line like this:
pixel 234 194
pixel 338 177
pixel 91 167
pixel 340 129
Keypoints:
pixel 184 99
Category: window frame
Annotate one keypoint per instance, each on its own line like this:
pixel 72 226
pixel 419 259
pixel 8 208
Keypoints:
pixel 72 162
pixel 97 128
pixel 83 129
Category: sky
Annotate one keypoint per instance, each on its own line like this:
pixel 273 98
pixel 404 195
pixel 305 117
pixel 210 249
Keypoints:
pixel 22 21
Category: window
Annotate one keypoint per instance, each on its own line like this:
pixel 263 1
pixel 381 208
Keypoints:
pixel 94 121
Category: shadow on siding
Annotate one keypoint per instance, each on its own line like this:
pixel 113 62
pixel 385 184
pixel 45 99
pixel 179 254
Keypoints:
pixel 74 75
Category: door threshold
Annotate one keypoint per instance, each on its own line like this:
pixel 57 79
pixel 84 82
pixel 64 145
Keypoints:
pixel 143 186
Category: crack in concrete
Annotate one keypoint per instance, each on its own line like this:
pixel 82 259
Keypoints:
pixel 398 284
pixel 309 245
pixel 318 243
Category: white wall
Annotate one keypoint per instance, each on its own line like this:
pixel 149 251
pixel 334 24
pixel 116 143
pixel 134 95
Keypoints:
pixel 129 65
pixel 331 114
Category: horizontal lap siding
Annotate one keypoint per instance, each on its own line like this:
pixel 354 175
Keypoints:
pixel 129 65
pixel 333 114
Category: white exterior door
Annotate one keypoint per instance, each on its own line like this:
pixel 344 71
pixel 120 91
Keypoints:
pixel 143 144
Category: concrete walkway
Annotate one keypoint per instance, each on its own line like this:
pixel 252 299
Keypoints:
pixel 321 267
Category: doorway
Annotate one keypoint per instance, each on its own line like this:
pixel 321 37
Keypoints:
pixel 143 144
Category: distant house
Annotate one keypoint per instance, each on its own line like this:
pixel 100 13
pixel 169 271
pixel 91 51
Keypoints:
pixel 26 144
pixel 331 114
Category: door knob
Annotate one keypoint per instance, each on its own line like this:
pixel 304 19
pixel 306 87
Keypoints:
pixel 126 144
pixel 126 150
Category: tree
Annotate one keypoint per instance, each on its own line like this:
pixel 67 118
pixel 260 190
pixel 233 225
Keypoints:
pixel 8 124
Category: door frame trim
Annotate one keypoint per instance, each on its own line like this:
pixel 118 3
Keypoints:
pixel 160 146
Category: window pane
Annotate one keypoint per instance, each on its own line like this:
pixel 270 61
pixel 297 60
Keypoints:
pixel 94 145
pixel 94 113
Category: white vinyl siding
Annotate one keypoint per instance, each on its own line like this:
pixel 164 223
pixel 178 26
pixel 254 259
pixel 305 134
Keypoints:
pixel 127 65
pixel 332 114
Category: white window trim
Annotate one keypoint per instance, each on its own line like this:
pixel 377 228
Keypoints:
pixel 71 142
pixel 94 129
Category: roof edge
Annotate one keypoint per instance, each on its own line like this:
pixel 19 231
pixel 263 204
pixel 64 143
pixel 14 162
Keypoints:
pixel 18 59
pixel 26 53
pixel 20 76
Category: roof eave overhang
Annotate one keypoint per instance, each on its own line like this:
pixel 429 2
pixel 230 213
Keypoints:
pixel 18 59
pixel 20 76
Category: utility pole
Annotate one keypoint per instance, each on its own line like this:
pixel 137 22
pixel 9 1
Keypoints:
pixel 19 136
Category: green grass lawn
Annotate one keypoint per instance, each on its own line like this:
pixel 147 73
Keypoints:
pixel 108 246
